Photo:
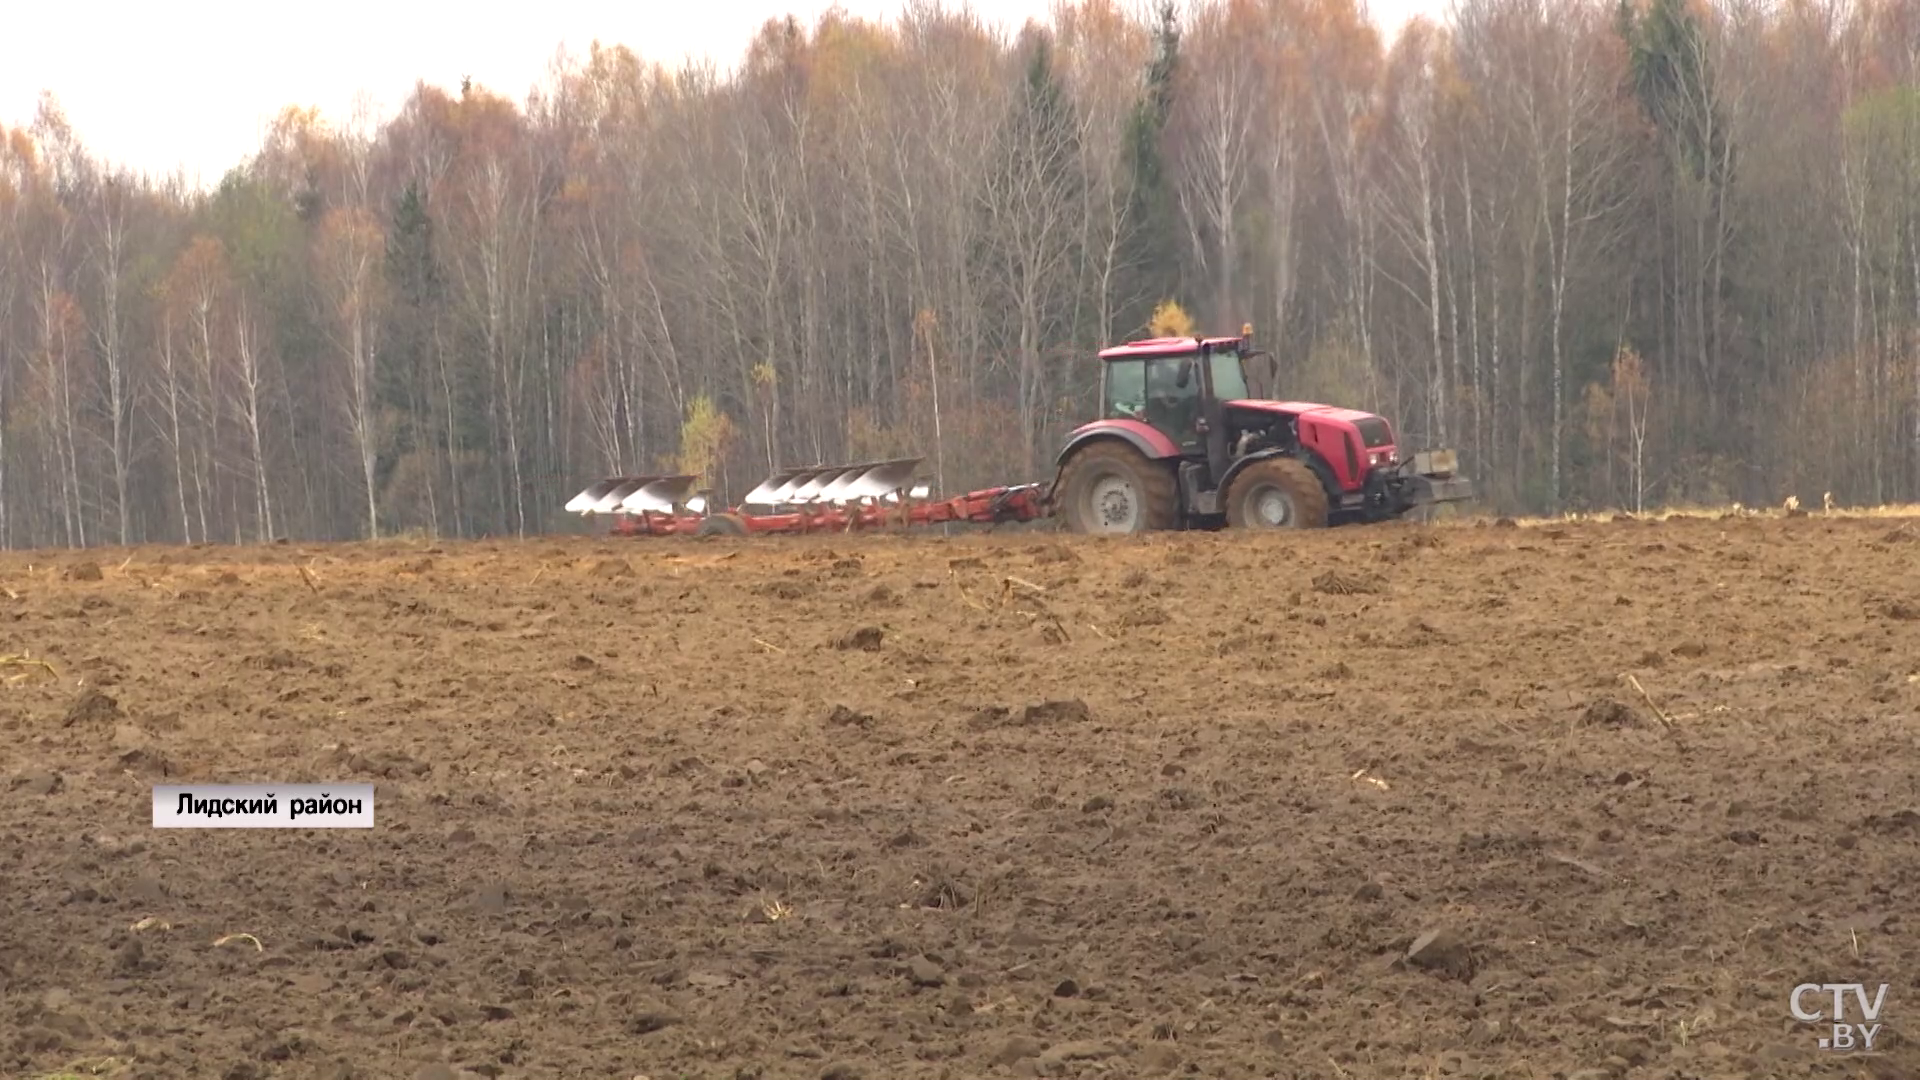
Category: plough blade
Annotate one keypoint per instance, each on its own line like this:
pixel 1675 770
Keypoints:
pixel 918 491
pixel 807 488
pixel 632 495
pixel 586 500
pixel 882 478
pixel 775 489
pixel 659 496
pixel 625 486
pixel 834 484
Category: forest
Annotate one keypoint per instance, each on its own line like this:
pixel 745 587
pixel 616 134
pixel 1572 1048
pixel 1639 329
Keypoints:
pixel 1619 254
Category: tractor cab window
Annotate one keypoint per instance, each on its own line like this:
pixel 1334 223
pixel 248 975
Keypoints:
pixel 1229 377
pixel 1172 407
pixel 1127 389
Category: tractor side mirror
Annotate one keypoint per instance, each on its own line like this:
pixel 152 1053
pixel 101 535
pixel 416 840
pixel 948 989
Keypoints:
pixel 1266 376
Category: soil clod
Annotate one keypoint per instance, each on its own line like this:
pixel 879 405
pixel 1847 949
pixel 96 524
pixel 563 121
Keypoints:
pixel 842 716
pixel 1073 711
pixel 1441 950
pixel 93 708
pixel 1337 583
pixel 864 639
pixel 1607 712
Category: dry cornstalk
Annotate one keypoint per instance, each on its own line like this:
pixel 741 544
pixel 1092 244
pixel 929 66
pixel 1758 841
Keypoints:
pixel 1659 713
pixel 1651 704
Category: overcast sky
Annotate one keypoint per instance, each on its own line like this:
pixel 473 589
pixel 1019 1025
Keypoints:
pixel 192 84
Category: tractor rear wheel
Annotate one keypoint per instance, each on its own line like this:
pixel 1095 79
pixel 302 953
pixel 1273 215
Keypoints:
pixel 1277 493
pixel 721 525
pixel 1109 487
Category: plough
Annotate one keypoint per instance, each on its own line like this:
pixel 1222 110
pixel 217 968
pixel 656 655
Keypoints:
pixel 1181 443
pixel 819 498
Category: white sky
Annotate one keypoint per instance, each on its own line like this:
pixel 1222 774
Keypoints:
pixel 192 84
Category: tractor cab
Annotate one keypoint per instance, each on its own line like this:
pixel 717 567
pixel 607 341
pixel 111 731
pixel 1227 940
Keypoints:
pixel 1178 424
pixel 1167 384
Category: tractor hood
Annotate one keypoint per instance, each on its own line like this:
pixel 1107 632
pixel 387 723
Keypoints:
pixel 1297 408
pixel 1351 438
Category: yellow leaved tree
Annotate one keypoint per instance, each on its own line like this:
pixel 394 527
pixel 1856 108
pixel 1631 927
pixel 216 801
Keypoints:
pixel 1170 320
pixel 766 396
pixel 704 437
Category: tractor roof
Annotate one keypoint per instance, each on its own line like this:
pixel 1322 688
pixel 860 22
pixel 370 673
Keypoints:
pixel 1166 346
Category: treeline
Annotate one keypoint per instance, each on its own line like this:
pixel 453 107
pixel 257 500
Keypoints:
pixel 1650 252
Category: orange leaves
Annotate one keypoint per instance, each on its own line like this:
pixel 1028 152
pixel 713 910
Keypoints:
pixel 847 50
pixel 63 323
pixel 485 125
pixel 19 162
pixel 350 246
pixel 1099 53
pixel 842 67
pixel 1410 83
pixel 474 127
pixel 59 349
pixel 300 154
pixel 1095 37
pixel 200 276
pixel 1599 413
pixel 780 43
pixel 1095 22
pixel 613 90
pixel 1630 378
pixel 351 228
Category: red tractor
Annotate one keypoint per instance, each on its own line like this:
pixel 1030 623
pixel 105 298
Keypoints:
pixel 1182 445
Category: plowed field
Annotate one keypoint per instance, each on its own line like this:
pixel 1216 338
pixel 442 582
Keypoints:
pixel 1006 805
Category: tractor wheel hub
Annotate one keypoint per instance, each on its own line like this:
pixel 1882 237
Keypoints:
pixel 1113 504
pixel 1273 507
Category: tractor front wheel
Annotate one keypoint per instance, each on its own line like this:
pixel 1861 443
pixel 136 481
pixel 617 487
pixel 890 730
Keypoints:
pixel 1109 487
pixel 1277 493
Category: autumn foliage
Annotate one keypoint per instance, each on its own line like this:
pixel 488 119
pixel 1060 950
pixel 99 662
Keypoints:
pixel 1170 320
pixel 1618 255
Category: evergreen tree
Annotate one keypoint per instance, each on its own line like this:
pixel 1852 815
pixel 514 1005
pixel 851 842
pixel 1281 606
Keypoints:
pixel 1152 261
pixel 408 372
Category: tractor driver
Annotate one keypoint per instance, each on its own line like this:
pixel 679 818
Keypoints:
pixel 1171 407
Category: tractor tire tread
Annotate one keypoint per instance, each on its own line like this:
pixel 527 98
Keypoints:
pixel 1295 476
pixel 1159 491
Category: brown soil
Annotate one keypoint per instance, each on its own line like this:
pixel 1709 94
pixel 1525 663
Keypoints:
pixel 1359 803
